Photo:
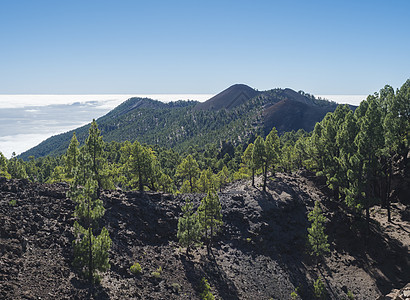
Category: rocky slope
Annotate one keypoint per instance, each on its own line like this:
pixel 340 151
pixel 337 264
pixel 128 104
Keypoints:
pixel 260 254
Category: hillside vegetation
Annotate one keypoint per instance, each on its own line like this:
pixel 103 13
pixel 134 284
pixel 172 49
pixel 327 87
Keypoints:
pixel 320 214
pixel 236 115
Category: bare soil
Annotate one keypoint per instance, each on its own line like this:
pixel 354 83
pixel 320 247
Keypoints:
pixel 259 254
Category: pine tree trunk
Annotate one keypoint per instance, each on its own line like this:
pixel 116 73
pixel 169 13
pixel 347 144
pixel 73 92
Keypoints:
pixel 189 235
pixel 253 177
pixel 90 252
pixel 336 193
pixel 367 217
pixel 90 258
pixel 265 175
pixel 389 174
pixel 210 241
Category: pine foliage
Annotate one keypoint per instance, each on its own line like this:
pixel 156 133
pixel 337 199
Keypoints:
pixel 317 239
pixel 189 227
pixel 210 216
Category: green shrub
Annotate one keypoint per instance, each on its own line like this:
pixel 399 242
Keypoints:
pixel 176 287
pixel 350 295
pixel 13 202
pixel 206 290
pixel 295 294
pixel 319 289
pixel 157 273
pixel 136 268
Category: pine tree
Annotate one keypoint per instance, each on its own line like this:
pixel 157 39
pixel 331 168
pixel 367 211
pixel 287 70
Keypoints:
pixel 15 167
pixel 223 177
pixel 331 125
pixel 258 153
pixel 189 228
pixel 271 153
pixel 94 146
pixel 300 150
pixel 210 216
pixel 89 209
pixel 71 159
pixel 316 149
pixel 206 181
pixel 248 161
pixel 396 127
pixel 3 167
pixel 90 251
pixel 166 184
pixel 188 169
pixel 345 140
pixel 317 239
pixel 141 161
pixel 369 141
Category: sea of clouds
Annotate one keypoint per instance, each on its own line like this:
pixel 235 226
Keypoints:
pixel 27 120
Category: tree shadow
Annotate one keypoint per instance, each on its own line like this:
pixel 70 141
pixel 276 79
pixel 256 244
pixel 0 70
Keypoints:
pixel 271 225
pixel 208 267
pixel 400 226
pixel 384 258
pixel 91 292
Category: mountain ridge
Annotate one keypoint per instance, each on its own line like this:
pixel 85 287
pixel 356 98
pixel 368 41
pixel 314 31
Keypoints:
pixel 237 114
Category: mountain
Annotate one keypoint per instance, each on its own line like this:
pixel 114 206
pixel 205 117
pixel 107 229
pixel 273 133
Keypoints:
pixel 230 98
pixel 235 115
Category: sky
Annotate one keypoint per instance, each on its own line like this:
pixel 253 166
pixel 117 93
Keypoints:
pixel 202 47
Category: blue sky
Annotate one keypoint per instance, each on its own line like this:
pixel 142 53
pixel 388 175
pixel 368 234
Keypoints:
pixel 321 47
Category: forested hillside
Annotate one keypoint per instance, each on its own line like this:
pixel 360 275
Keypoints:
pixel 288 216
pixel 235 116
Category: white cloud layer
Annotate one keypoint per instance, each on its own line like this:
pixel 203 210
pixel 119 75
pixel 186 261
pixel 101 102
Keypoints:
pixel 20 142
pixel 106 101
pixel 344 99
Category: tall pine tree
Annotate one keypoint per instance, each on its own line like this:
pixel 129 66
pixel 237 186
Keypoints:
pixel 210 216
pixel 90 250
pixel 271 153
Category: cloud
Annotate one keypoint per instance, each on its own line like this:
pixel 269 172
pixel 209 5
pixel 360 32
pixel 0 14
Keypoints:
pixel 344 99
pixel 27 120
pixel 20 142
pixel 105 101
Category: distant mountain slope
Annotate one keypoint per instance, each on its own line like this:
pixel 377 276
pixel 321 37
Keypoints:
pixel 237 114
pixel 289 114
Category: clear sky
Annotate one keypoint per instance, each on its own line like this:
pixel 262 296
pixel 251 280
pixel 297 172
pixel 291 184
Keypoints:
pixel 130 46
